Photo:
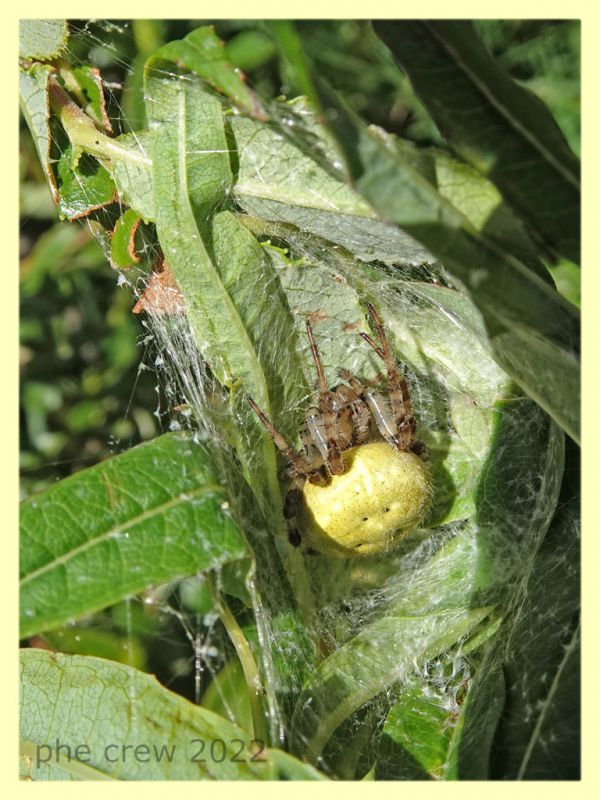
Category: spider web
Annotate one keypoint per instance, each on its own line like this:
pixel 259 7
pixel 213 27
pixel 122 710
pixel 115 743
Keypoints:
pixel 421 663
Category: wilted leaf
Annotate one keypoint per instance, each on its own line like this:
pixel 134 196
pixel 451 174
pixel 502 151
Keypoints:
pixel 86 83
pixel 161 295
pixel 122 245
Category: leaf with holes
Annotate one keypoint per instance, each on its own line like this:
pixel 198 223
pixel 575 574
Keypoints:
pixel 83 187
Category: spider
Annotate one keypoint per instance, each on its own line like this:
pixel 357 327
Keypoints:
pixel 350 495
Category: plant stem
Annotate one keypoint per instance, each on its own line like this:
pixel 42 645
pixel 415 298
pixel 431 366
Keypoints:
pixel 249 667
pixel 84 134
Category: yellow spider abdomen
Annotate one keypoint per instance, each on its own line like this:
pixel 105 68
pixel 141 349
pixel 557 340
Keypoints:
pixel 383 495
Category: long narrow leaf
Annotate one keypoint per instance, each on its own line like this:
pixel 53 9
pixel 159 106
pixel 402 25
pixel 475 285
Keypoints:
pixel 493 123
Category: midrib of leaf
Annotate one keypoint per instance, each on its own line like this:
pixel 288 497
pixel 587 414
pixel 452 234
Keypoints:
pixel 145 515
pixel 553 688
pixel 184 200
pixel 245 190
pixel 500 107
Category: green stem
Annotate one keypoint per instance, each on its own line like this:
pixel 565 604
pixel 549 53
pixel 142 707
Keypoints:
pixel 249 667
pixel 84 134
pixel 148 35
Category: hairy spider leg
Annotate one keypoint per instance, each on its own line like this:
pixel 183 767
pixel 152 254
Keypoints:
pixel 405 422
pixel 361 416
pixel 379 408
pixel 290 509
pixel 326 408
pixel 298 462
pixel 299 471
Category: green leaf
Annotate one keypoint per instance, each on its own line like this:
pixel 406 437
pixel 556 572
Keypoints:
pixel 83 640
pixel 85 718
pixel 35 105
pixel 204 53
pixel 481 711
pixel 278 181
pixel 42 38
pixel 388 650
pixel 493 123
pixel 291 769
pixel 85 83
pixel 423 734
pixel 149 35
pixel 538 737
pixel 315 200
pixel 59 250
pixel 133 175
pixel 318 201
pixel 84 187
pixel 383 653
pixel 245 336
pixel 250 49
pixel 567 277
pixel 534 331
pixel 441 334
pixel 517 498
pixel 122 244
pixel 420 734
pixel 146 517
pixel 227 695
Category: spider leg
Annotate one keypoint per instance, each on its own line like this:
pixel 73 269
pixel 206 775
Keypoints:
pixel 379 408
pixel 334 456
pixel 361 416
pixel 290 509
pixel 298 462
pixel 404 422
pixel 299 470
pixel 361 423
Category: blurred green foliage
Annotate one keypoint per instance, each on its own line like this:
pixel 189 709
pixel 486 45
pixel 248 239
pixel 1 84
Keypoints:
pixel 81 400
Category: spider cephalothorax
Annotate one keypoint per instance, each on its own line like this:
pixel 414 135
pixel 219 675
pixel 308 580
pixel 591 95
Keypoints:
pixel 349 496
